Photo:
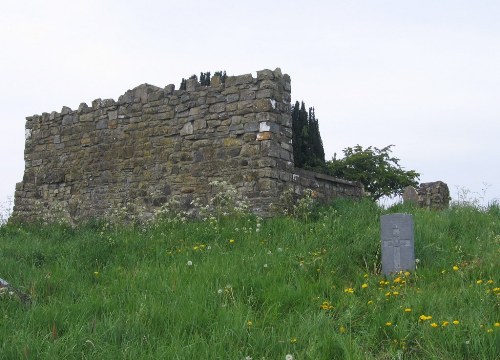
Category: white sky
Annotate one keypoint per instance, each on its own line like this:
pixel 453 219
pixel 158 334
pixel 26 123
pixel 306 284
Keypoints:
pixel 421 74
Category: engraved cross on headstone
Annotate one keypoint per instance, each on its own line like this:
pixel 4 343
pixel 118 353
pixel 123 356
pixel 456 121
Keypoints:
pixel 397 243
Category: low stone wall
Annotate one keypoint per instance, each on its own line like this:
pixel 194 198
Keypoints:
pixel 327 187
pixel 155 143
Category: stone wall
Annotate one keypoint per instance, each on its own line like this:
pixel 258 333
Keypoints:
pixel 155 143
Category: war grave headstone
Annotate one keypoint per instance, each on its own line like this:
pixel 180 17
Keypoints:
pixel 398 253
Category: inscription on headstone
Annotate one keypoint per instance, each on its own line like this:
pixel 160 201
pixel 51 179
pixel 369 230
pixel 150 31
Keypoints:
pixel 398 252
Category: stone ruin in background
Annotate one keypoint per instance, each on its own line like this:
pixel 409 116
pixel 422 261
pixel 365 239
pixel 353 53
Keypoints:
pixel 432 195
pixel 156 143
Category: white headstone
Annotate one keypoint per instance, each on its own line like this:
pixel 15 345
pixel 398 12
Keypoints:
pixel 398 252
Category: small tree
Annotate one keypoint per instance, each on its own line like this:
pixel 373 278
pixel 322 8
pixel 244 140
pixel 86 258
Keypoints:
pixel 376 169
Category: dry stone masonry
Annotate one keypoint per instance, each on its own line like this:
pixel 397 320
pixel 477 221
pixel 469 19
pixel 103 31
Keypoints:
pixel 434 195
pixel 155 143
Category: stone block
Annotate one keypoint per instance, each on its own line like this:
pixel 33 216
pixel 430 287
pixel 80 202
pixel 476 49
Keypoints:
pixel 217 108
pixel 263 105
pixel 251 126
pixel 112 115
pixel 192 84
pixel 247 95
pixel 267 135
pixel 215 81
pixel 169 89
pixel 199 124
pixel 232 98
pixel 265 75
pixel 187 129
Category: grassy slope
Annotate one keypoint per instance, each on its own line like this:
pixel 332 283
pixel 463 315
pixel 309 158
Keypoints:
pixel 290 288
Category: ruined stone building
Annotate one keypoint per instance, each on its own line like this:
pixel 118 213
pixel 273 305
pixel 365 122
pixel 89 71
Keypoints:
pixel 155 143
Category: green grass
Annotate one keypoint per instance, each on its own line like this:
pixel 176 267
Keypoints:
pixel 103 292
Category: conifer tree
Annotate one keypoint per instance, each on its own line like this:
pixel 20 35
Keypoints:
pixel 307 144
pixel 183 84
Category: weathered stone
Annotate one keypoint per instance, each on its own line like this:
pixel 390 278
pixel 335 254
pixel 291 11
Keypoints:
pixel 199 124
pixel 169 89
pixel 215 81
pixel 112 115
pixel 264 136
pixel 191 84
pixel 251 126
pixel 434 195
pixel 217 108
pixel 398 252
pixel 187 129
pixel 265 75
pixel 410 195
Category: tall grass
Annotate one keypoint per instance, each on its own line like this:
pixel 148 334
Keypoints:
pixel 248 288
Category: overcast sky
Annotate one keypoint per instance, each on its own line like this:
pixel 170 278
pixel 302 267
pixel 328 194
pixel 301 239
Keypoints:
pixel 423 75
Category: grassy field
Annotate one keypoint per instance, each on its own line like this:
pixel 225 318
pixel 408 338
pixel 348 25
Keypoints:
pixel 247 288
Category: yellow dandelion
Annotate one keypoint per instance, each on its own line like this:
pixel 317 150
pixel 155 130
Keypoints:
pixel 479 282
pixel 456 322
pixel 497 324
pixel 326 306
pixel 455 268
pixel 196 247
pixel 231 241
pixel 370 302
pixel 490 281
pixel 293 340
pixel 249 323
pixel 342 329
pixel 445 323
pixel 397 280
pixel 434 325
pixel 388 323
pixel 497 289
pixel 489 330
pixel 407 310
pixel 96 273
pixel 388 293
pixel 349 290
pixel 424 317
pixel 365 275
pixel 407 273
pixel 395 293
pixel 364 286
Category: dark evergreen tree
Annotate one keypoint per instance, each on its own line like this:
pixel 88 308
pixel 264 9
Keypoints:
pixel 183 84
pixel 307 144
pixel 305 152
pixel 205 79
pixel 317 150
